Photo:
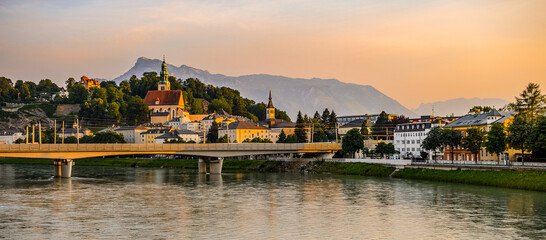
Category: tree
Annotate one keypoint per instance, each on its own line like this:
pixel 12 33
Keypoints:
pixel 113 94
pixel 24 93
pixel 518 132
pixel 107 137
pixel 451 138
pixel 379 129
pixel 332 120
pixel 480 109
pixel 47 86
pixel 385 148
pixel 325 117
pixel 364 129
pixel 282 137
pixel 125 87
pixel 77 94
pixel 300 131
pixel 219 104
pixel 474 141
pixel 137 111
pixel 537 138
pixel 223 139
pixel 70 82
pixel 282 115
pixel 434 140
pixel 352 142
pixel 238 106
pixel 531 102
pixel 113 111
pixel 99 93
pixel 292 138
pixel 496 140
pixel 212 135
pixel 317 116
pixel 320 135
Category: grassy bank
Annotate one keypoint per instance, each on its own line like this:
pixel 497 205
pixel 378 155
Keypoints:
pixel 527 180
pixel 235 165
pixel 362 169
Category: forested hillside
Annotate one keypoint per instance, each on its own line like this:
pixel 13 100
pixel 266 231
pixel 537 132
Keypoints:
pixel 123 103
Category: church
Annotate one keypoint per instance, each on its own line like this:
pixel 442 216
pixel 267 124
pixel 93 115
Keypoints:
pixel 165 104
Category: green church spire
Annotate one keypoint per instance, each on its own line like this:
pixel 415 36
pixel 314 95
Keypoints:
pixel 164 75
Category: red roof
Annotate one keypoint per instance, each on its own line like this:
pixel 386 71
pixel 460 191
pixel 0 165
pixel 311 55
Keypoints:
pixel 172 97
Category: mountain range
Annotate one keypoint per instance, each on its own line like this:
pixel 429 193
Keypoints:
pixel 457 106
pixel 315 94
pixel 289 94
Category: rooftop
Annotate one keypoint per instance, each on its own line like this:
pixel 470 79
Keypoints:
pixel 479 119
pixel 172 97
pixel 243 125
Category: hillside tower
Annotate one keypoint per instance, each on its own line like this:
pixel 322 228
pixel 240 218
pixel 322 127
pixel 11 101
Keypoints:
pixel 164 84
pixel 270 110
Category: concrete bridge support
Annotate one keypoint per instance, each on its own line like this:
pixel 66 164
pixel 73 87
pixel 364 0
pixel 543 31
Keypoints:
pixel 325 156
pixel 63 168
pixel 216 166
pixel 202 166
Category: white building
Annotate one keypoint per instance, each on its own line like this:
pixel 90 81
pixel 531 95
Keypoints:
pixel 131 134
pixel 185 135
pixel 191 126
pixel 9 136
pixel 188 135
pixel 408 138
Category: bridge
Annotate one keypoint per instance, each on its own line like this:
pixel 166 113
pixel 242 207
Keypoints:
pixel 63 154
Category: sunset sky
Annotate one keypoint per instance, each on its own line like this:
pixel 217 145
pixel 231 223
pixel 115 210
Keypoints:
pixel 413 51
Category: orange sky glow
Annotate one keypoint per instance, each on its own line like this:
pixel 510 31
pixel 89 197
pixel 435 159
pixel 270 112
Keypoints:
pixel 413 51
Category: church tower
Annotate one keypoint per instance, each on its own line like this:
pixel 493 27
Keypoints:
pixel 164 84
pixel 270 110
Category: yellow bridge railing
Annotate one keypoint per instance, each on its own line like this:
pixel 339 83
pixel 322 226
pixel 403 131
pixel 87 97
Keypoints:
pixel 87 150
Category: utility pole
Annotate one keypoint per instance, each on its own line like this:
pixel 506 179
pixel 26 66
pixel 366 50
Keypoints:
pixel 312 131
pixel 204 132
pixel 27 136
pixel 62 139
pixel 227 127
pixel 40 132
pixel 55 132
pixel 78 130
pixel 336 133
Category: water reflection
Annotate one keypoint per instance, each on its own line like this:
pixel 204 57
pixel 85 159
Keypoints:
pixel 168 203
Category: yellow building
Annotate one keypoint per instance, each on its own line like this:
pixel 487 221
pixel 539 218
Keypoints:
pixel 150 135
pixel 240 131
pixel 483 121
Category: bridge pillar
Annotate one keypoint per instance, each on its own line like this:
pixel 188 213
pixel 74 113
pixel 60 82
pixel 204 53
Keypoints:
pixel 202 166
pixel 63 168
pixel 325 156
pixel 216 166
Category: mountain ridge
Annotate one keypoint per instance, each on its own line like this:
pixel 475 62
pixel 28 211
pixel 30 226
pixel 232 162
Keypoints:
pixel 457 106
pixel 307 95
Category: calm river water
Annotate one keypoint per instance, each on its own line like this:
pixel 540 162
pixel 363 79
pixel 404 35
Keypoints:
pixel 128 203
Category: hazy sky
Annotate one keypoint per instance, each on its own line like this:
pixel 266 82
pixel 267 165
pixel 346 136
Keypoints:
pixel 413 51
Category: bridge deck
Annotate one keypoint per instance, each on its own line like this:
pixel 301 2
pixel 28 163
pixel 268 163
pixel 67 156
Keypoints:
pixel 75 151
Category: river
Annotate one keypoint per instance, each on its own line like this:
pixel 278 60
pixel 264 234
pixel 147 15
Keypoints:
pixel 137 203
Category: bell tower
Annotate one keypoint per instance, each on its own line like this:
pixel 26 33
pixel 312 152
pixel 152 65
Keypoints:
pixel 164 84
pixel 270 110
